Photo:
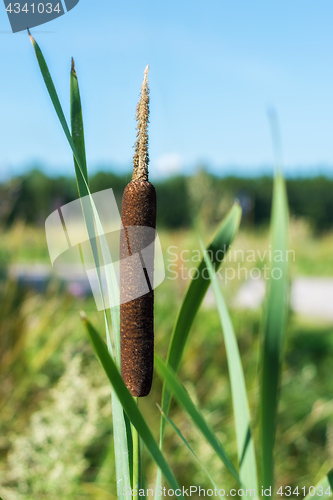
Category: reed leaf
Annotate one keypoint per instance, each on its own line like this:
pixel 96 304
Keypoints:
pixel 177 431
pixel 183 399
pixel 81 181
pixel 245 445
pixel 77 121
pixel 273 330
pixel 122 454
pixel 192 300
pixel 194 296
pixel 128 403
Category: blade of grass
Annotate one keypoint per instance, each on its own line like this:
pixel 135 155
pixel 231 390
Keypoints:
pixel 128 402
pixel 81 181
pixel 122 433
pixel 80 165
pixel 130 444
pixel 122 454
pixel 195 294
pixel 273 331
pixel 81 178
pixel 77 121
pixel 191 303
pixel 177 431
pixel 324 488
pixel 121 447
pixel 122 442
pixel 80 171
pixel 245 446
pixel 184 400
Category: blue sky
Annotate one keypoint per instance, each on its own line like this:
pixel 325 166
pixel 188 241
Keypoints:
pixel 215 68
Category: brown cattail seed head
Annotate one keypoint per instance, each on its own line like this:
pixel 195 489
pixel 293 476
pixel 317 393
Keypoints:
pixel 137 315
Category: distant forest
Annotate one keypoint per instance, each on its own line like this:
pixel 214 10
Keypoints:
pixel 181 199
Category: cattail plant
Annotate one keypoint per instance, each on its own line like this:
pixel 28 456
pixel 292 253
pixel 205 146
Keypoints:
pixel 137 330
pixel 138 214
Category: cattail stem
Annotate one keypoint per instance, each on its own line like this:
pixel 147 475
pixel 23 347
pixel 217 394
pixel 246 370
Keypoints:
pixel 139 222
pixel 136 460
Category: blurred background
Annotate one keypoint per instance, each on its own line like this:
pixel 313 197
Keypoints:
pixel 215 70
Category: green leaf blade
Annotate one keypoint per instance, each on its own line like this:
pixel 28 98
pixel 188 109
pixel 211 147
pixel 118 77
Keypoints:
pixel 191 303
pixel 198 287
pixel 81 181
pixel 77 121
pixel 273 331
pixel 177 431
pixel 195 295
pixel 91 217
pixel 245 445
pixel 121 432
pixel 184 400
pixel 128 403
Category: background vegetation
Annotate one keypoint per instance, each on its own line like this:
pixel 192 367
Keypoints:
pixel 31 198
pixel 54 399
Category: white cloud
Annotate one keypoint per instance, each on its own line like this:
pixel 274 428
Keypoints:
pixel 166 164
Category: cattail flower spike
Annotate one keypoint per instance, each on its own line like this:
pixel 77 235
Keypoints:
pixel 138 217
pixel 141 157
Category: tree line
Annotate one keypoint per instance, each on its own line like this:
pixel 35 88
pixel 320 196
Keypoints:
pixel 181 199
